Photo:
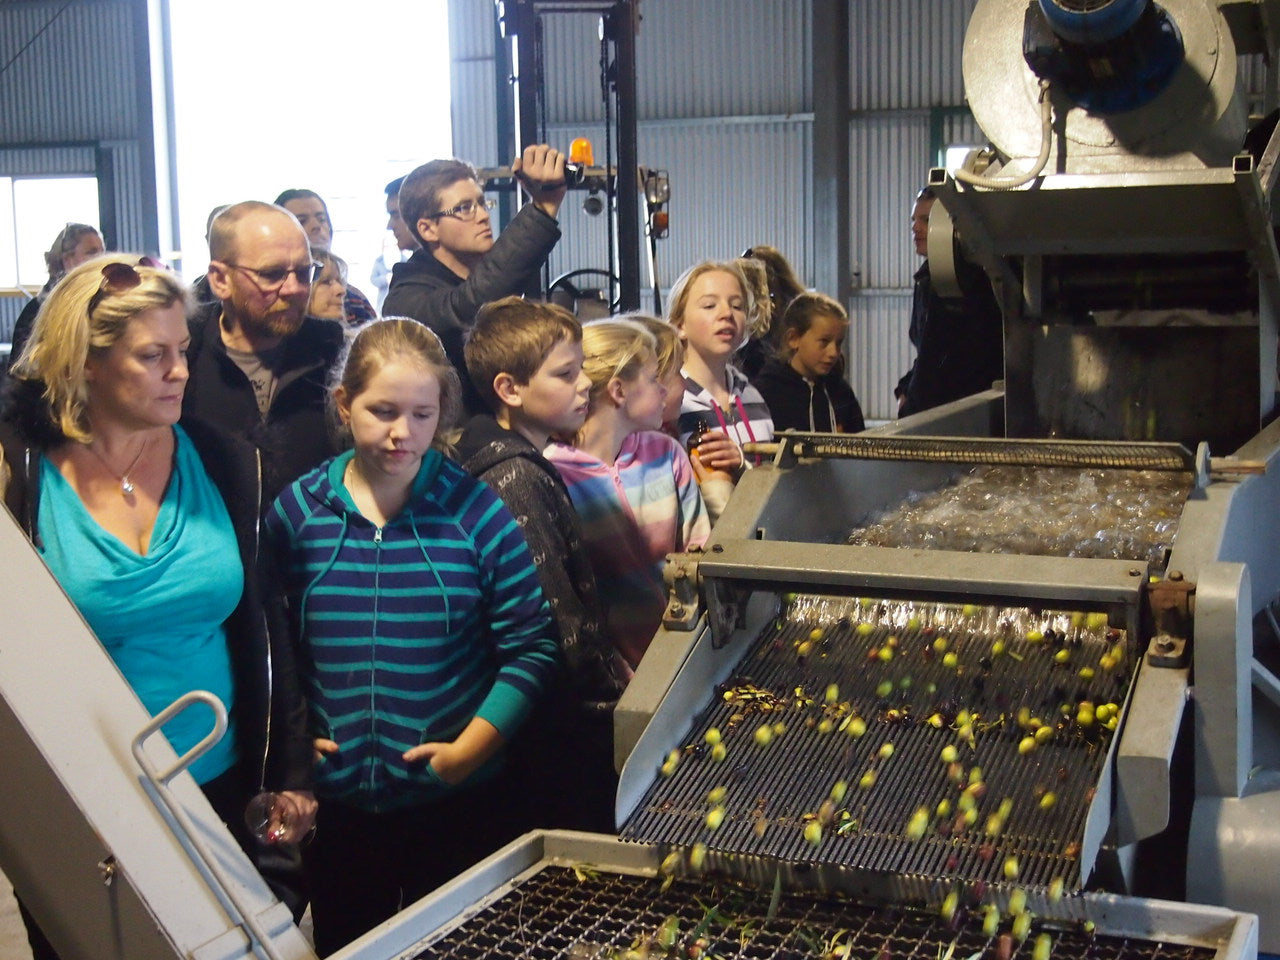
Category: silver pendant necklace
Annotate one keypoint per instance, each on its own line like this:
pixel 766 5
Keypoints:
pixel 126 485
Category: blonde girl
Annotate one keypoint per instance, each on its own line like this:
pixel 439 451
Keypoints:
pixel 631 484
pixel 710 304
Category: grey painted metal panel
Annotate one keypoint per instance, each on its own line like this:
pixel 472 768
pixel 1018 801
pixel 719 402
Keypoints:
pixel 76 80
pixel 878 349
pixel 131 219
pixel 732 185
pixel 890 158
pixel 475 124
pixel 960 129
pixel 46 161
pixel 907 54
pixel 471 26
pixel 10 307
pixel 694 59
pixel 473 80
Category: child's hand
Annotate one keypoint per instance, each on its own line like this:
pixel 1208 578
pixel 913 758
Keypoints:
pixel 322 746
pixel 718 452
pixel 452 763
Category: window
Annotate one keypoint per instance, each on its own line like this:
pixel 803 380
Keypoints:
pixel 331 96
pixel 33 210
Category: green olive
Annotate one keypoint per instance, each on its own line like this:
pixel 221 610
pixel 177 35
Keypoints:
pixel 698 856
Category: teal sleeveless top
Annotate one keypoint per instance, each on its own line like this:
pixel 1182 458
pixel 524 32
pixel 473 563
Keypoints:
pixel 159 616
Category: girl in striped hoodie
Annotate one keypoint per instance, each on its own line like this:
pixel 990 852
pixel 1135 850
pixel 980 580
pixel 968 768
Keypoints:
pixel 424 635
pixel 632 485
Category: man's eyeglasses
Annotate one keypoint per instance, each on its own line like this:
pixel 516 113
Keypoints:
pixel 273 278
pixel 466 210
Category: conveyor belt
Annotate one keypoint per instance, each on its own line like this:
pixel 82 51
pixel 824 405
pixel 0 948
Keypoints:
pixel 857 701
pixel 583 913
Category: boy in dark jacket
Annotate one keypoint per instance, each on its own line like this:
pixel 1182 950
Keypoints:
pixel 805 388
pixel 525 360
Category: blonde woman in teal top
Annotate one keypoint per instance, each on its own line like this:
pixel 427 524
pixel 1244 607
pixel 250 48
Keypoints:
pixel 151 529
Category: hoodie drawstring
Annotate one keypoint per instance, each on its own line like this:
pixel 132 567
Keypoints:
pixel 413 524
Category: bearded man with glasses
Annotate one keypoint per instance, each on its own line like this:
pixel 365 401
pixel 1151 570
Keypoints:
pixel 461 266
pixel 258 365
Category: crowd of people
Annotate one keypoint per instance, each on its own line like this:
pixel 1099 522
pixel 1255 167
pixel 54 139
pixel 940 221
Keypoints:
pixel 418 558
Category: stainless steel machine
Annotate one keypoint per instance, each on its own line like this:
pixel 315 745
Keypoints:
pixel 1129 237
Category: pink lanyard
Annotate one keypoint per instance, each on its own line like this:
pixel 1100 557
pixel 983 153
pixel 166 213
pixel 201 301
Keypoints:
pixel 742 418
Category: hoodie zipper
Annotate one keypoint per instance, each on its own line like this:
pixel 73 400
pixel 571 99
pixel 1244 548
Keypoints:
pixel 373 658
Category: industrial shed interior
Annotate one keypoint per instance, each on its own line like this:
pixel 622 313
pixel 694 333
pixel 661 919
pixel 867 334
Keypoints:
pixel 865 728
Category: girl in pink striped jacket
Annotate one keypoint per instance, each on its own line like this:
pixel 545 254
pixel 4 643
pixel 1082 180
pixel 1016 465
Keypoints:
pixel 632 485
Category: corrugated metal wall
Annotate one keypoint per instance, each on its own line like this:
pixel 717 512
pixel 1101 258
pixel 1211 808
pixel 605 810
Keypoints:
pixel 76 84
pixel 730 127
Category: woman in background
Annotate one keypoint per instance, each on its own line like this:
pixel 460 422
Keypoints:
pixel 328 290
pixel 76 243
pixel 781 286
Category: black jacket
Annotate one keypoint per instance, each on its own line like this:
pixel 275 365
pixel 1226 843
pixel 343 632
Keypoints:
pixel 959 342
pixel 295 434
pixel 534 493
pixel 270 713
pixel 796 404
pixel 426 290
pixel 561 761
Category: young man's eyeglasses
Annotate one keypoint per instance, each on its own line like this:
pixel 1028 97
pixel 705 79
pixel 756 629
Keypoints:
pixel 273 278
pixel 466 210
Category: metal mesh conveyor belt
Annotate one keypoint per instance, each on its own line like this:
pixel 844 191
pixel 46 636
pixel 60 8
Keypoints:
pixel 580 913
pixel 996 450
pixel 832 737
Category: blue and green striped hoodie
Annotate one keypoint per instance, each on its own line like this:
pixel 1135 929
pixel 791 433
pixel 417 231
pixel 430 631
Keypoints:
pixel 410 630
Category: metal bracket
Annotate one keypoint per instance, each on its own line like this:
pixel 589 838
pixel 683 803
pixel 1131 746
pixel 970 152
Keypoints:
pixel 724 608
pixel 1172 605
pixel 680 574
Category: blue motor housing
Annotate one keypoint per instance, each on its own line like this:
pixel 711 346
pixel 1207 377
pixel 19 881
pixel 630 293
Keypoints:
pixel 1109 56
pixel 1092 21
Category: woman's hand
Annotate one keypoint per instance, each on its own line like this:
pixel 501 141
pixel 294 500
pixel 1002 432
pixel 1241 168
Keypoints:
pixel 322 747
pixel 718 452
